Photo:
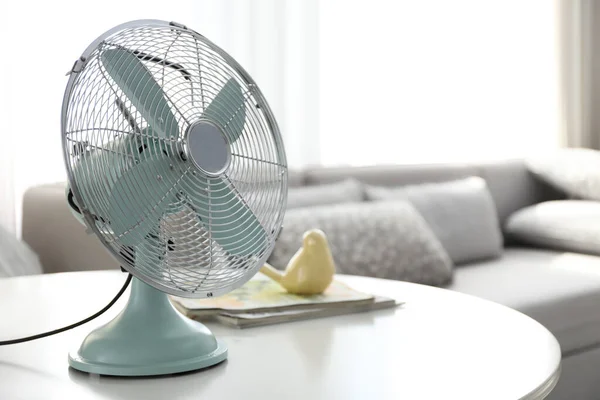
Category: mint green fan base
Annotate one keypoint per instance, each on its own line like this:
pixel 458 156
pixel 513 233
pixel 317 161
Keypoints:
pixel 149 337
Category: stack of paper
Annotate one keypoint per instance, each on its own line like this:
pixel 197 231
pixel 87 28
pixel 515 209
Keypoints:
pixel 262 301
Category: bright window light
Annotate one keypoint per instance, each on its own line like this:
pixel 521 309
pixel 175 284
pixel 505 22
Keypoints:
pixel 437 81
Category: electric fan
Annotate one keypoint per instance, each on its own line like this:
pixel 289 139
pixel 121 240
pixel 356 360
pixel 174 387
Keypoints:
pixel 176 163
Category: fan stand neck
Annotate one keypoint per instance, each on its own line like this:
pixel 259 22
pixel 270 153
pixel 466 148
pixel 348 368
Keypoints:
pixel 149 337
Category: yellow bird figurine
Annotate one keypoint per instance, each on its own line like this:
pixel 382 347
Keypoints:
pixel 311 269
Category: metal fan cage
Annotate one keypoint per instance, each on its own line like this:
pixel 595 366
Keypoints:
pixel 102 131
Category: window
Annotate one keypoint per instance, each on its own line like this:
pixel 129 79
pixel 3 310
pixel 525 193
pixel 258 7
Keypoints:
pixel 436 81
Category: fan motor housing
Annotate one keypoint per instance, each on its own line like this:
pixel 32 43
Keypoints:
pixel 207 147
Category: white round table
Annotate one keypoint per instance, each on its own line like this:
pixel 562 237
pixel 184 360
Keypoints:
pixel 439 345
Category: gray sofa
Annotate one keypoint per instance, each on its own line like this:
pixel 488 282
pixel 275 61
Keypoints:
pixel 560 290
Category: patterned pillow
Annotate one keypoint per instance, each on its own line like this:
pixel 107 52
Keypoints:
pixel 347 191
pixel 384 239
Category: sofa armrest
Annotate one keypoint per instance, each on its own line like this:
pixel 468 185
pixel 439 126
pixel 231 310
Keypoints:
pixel 60 241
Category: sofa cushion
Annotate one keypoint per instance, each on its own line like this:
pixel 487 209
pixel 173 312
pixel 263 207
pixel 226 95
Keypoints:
pixel 559 290
pixel 390 175
pixel 295 178
pixel 52 231
pixel 347 191
pixel 574 171
pixel 461 213
pixel 385 240
pixel 513 186
pixel 570 225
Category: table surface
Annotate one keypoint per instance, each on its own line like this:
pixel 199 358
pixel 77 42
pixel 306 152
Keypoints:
pixel 440 344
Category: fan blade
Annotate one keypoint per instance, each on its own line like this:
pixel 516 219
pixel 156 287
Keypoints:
pixel 139 198
pixel 230 222
pixel 141 88
pixel 227 109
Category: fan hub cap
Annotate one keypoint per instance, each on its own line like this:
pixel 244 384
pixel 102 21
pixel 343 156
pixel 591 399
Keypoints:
pixel 207 147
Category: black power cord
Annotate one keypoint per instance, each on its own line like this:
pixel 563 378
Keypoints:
pixel 75 325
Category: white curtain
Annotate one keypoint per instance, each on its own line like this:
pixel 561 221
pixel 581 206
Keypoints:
pixel 579 27
pixel 276 41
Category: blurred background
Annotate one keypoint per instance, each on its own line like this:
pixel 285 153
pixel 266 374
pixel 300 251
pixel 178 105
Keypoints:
pixel 357 82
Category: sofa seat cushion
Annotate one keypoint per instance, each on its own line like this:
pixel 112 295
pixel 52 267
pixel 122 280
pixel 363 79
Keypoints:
pixel 560 290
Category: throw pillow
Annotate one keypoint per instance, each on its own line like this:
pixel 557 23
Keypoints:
pixel 347 191
pixel 570 225
pixel 461 213
pixel 573 171
pixel 16 257
pixel 384 240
